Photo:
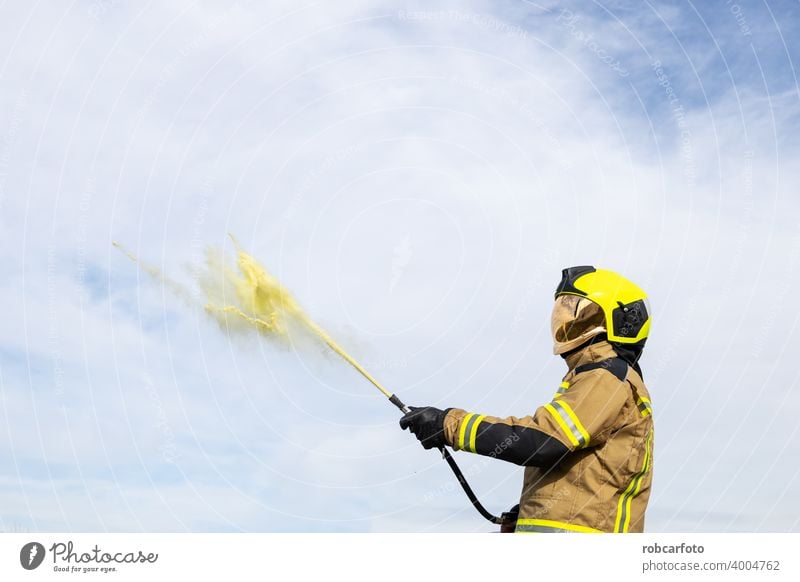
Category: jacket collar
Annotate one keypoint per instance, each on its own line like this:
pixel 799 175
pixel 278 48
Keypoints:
pixel 594 352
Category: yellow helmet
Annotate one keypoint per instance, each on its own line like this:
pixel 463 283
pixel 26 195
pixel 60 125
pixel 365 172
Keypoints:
pixel 624 305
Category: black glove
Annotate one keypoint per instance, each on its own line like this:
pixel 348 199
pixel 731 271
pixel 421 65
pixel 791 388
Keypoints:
pixel 427 423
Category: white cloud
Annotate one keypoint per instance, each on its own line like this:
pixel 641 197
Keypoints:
pixel 493 140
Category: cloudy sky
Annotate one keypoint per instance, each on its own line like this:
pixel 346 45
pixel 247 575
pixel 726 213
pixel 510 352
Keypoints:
pixel 417 174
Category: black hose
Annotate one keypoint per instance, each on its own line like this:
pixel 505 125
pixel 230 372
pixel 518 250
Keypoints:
pixel 456 471
pixel 467 489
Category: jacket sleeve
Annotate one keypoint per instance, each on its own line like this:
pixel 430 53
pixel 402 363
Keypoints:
pixel 516 440
pixel 580 415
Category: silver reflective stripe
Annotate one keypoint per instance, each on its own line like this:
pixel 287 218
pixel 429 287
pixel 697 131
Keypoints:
pixel 541 529
pixel 633 489
pixel 468 432
pixel 627 497
pixel 568 421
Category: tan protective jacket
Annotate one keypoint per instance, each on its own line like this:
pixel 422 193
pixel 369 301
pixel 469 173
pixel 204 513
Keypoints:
pixel 602 415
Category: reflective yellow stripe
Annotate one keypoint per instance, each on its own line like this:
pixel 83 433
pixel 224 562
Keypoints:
pixel 564 428
pixel 568 422
pixel 473 433
pixel 648 458
pixel 561 390
pixel 577 422
pixel 645 406
pixel 462 429
pixel 549 526
pixel 623 520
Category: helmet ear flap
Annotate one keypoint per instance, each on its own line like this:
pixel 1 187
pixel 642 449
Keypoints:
pixel 628 319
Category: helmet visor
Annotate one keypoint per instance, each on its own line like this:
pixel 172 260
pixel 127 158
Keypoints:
pixel 574 321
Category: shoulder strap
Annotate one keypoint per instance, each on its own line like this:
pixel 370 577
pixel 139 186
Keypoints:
pixel 616 366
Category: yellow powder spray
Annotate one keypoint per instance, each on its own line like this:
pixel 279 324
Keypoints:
pixel 250 298
pixel 176 288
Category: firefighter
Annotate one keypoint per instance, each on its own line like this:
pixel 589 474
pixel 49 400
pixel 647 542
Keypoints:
pixel 588 453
